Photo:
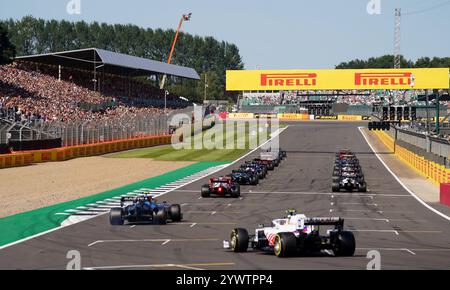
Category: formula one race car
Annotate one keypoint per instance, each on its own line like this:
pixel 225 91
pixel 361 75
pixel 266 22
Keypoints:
pixel 244 177
pixel 259 167
pixel 349 181
pixel 339 170
pixel 270 164
pixel 221 186
pixel 346 159
pixel 295 235
pixel 342 152
pixel 254 168
pixel 144 209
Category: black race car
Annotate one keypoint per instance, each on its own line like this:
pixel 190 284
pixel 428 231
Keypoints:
pixel 255 169
pixel 144 209
pixel 260 167
pixel 221 186
pixel 244 177
pixel 349 181
pixel 339 170
pixel 269 164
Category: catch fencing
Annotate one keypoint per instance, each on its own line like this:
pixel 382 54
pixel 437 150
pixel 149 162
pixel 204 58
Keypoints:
pixel 124 127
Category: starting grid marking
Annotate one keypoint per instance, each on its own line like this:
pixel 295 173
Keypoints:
pixel 101 207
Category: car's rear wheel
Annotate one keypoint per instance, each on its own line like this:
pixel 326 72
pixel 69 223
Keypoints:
pixel 160 217
pixel 115 217
pixel 285 245
pixel 205 191
pixel 363 187
pixel 344 244
pixel 175 212
pixel 236 191
pixel 239 240
pixel 335 187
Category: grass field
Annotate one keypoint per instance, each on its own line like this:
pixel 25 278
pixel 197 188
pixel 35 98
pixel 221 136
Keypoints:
pixel 168 153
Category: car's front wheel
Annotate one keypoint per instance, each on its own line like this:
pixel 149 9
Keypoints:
pixel 239 240
pixel 175 212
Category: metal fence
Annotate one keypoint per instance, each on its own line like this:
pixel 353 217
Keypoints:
pixel 432 148
pixel 126 126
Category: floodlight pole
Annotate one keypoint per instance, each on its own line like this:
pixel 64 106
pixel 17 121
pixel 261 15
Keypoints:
pixel 184 17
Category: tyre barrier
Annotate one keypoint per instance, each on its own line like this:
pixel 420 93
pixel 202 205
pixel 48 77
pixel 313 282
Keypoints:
pixel 66 153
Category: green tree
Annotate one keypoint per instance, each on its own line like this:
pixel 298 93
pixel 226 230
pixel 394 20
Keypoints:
pixel 387 61
pixel 204 54
pixel 7 50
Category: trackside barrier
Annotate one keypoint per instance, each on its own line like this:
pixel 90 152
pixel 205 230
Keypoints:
pixel 67 153
pixel 437 173
pixel 444 194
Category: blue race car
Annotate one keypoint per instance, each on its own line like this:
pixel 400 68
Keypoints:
pixel 144 209
pixel 255 167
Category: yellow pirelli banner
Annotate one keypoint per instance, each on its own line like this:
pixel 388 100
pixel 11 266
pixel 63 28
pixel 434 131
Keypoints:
pixel 290 116
pixel 349 118
pixel 261 80
pixel 241 115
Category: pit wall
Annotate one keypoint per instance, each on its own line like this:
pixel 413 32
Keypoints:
pixel 433 171
pixel 66 153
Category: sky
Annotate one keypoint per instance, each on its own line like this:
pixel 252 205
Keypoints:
pixel 282 34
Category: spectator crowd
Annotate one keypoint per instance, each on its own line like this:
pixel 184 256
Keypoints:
pixel 30 95
pixel 350 97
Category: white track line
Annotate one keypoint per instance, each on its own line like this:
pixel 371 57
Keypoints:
pixel 400 182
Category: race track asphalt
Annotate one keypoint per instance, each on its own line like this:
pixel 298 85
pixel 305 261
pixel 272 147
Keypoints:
pixel 387 219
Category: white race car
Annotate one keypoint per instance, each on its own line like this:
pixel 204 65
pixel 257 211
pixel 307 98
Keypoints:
pixel 295 234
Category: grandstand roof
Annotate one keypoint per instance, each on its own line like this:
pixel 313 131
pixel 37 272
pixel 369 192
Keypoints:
pixel 111 62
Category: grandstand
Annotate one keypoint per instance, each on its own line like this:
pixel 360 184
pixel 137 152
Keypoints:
pixel 86 96
pixel 348 102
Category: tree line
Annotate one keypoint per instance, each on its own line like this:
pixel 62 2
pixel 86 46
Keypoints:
pixel 387 61
pixel 206 55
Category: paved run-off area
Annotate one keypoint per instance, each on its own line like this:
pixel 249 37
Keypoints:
pixel 386 218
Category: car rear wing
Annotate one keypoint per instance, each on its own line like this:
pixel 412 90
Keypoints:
pixel 325 221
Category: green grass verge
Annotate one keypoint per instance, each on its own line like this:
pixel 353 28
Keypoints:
pixel 23 225
pixel 248 138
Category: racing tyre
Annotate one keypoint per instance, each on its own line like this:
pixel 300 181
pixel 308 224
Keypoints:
pixel 255 180
pixel 205 191
pixel 336 179
pixel 175 212
pixel 285 245
pixel 335 187
pixel 160 217
pixel 239 240
pixel 115 217
pixel 363 187
pixel 344 244
pixel 236 192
